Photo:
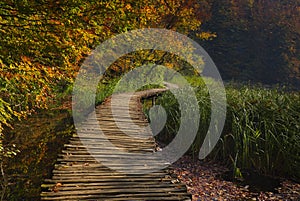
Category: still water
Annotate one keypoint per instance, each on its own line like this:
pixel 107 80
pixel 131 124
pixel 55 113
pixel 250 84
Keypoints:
pixel 39 139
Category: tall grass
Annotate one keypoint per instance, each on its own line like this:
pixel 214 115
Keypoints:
pixel 262 128
pixel 265 126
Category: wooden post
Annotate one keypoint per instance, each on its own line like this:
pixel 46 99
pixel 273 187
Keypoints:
pixel 153 100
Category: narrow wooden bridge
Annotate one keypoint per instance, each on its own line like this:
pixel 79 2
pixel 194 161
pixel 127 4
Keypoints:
pixel 79 176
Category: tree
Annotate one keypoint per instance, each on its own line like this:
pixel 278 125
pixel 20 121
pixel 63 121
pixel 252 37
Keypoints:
pixel 44 42
pixel 256 40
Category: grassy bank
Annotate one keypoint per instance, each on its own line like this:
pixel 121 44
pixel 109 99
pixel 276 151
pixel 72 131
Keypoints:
pixel 261 131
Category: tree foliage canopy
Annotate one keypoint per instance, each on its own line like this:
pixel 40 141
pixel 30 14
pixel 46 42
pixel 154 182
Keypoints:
pixel 257 40
pixel 44 42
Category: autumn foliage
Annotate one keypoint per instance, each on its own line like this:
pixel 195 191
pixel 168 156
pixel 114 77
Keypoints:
pixel 43 43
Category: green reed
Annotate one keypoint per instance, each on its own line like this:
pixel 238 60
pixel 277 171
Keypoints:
pixel 262 128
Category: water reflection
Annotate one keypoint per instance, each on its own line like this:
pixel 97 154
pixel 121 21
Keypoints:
pixel 39 138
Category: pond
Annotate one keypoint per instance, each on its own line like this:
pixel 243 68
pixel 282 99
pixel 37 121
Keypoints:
pixel 39 139
pixel 254 181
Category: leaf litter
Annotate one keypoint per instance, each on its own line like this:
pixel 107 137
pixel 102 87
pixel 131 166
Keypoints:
pixel 204 183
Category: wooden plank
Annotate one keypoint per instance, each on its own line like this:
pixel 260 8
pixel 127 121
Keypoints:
pixel 104 173
pixel 101 146
pixel 92 137
pixel 119 180
pixel 104 192
pixel 115 186
pixel 148 197
pixel 113 138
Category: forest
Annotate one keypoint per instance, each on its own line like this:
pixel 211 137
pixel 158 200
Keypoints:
pixel 255 45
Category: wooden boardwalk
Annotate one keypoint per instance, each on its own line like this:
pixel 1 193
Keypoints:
pixel 79 176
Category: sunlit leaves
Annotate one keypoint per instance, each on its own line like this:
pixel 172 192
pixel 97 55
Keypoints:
pixel 43 43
